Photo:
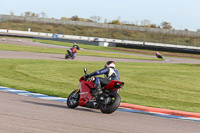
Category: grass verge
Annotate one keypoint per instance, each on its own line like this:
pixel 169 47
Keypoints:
pixel 171 86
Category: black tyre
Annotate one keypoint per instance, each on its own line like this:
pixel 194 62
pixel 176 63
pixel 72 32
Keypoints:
pixel 112 105
pixel 73 99
pixel 67 56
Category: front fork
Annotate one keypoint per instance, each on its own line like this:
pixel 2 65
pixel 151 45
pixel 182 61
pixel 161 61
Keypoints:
pixel 78 90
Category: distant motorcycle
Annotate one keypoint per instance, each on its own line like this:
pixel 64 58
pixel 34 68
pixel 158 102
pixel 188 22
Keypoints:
pixel 108 101
pixel 69 55
pixel 72 52
pixel 158 55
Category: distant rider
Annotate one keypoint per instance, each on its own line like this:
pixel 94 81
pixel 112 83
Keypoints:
pixel 158 55
pixel 73 51
pixel 110 73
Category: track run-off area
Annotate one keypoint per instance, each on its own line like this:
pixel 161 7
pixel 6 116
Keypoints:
pixel 19 113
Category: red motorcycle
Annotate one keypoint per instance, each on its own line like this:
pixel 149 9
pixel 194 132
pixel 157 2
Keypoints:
pixel 108 101
pixel 72 52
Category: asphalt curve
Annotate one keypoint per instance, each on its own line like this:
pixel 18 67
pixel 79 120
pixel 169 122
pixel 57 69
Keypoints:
pixel 20 114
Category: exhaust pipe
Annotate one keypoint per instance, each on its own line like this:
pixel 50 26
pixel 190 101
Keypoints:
pixel 95 104
pixel 92 105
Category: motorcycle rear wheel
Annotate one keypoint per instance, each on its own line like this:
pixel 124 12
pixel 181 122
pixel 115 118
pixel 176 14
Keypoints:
pixel 73 100
pixel 112 105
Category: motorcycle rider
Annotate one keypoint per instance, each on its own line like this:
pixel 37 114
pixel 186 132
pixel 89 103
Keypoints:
pixel 110 73
pixel 73 51
pixel 158 55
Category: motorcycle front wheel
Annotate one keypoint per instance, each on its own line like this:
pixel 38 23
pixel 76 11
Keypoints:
pixel 114 103
pixel 73 99
pixel 67 56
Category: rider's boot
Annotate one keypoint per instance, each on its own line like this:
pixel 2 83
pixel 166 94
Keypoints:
pixel 96 90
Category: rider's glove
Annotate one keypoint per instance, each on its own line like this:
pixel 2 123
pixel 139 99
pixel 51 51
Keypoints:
pixel 86 76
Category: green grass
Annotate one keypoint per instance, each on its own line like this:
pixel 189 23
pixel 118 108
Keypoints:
pixel 59 43
pixel 13 47
pixel 85 46
pixel 171 86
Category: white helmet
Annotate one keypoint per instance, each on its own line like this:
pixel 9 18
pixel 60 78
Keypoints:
pixel 110 64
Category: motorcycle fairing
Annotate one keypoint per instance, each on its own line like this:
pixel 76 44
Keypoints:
pixel 114 85
pixel 85 94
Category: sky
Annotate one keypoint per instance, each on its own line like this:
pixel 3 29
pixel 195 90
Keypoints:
pixel 182 14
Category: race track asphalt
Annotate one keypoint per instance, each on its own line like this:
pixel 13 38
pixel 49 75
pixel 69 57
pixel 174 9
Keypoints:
pixel 20 114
